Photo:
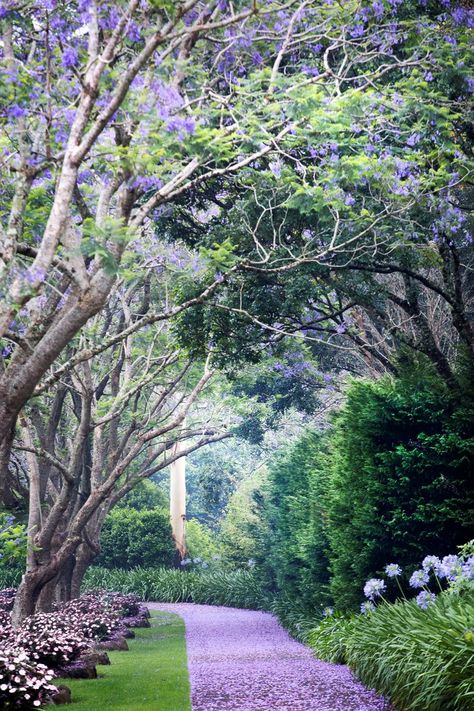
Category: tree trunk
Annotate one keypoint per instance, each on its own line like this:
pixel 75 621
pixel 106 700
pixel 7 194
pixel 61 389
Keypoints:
pixel 84 558
pixel 178 501
pixel 31 585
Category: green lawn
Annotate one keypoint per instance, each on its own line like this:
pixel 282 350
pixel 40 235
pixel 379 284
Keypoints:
pixel 152 676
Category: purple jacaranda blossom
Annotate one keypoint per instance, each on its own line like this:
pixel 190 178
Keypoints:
pixel 275 166
pixel 413 139
pixel 357 31
pixel 424 599
pixel 419 578
pixel 393 570
pixel 181 126
pixel 428 76
pixel 70 57
pixel 15 111
pixel 311 71
pixel 349 200
pixel 242 660
pixel 379 9
pixel 133 32
pixel 374 588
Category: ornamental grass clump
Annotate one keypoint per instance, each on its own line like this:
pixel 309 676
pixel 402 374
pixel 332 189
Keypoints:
pixel 235 588
pixel 421 656
pixel 330 638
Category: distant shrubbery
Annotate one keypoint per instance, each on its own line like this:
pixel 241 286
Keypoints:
pixel 132 537
pixel 236 588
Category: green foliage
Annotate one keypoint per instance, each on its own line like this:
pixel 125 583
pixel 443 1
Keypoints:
pixel 201 542
pixel 421 659
pixel 243 529
pixel 13 539
pixel 297 543
pixel 237 588
pixel 130 538
pixel 330 638
pixel 145 495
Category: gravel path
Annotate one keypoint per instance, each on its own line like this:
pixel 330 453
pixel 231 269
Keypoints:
pixel 241 660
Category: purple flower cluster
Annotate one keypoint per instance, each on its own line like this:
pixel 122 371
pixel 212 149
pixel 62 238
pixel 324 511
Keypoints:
pixel 456 571
pixel 23 683
pixel 374 588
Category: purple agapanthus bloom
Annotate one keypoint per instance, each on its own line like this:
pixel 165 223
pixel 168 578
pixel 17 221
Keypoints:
pixel 431 562
pixel 393 570
pixel 367 607
pixel 419 578
pixel 374 588
pixel 468 568
pixel 450 567
pixel 425 599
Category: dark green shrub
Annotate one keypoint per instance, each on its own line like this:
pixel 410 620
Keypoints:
pixel 401 483
pixel 131 537
pixel 295 554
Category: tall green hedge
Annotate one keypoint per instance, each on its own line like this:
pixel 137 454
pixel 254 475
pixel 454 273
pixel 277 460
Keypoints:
pixel 391 481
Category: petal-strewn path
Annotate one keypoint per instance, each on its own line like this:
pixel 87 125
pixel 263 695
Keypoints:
pixel 240 660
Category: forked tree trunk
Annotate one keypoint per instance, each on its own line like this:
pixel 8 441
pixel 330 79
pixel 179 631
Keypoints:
pixel 84 558
pixel 178 501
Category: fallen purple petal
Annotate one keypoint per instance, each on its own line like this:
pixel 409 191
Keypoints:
pixel 242 660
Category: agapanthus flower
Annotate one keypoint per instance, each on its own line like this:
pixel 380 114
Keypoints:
pixel 431 562
pixel 419 578
pixel 450 567
pixel 374 588
pixel 367 607
pixel 425 598
pixel 393 570
pixel 468 568
pixel 328 612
